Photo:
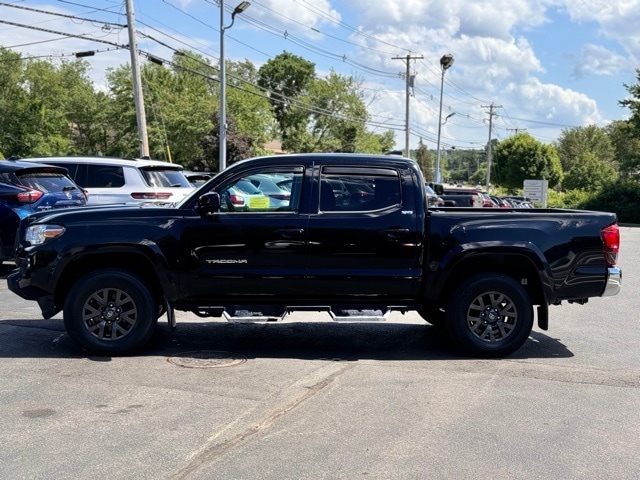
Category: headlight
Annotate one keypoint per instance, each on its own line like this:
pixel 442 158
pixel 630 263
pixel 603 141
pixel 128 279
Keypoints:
pixel 38 234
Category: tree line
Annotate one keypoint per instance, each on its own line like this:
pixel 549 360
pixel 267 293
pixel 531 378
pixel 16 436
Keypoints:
pixel 53 108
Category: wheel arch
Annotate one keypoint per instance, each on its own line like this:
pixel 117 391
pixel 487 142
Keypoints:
pixel 522 264
pixel 131 260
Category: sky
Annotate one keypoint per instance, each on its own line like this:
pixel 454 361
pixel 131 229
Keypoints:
pixel 535 66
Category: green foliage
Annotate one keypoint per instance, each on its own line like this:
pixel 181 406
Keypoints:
pixel 621 197
pixel 45 105
pixel 626 146
pixel 426 162
pixel 568 199
pixel 574 143
pixel 633 103
pixel 285 78
pixel 238 147
pixel 521 157
pixel 587 172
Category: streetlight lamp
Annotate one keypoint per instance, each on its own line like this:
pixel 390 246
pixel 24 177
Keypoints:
pixel 445 63
pixel 222 149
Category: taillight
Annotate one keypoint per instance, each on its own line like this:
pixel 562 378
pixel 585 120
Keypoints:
pixel 151 195
pixel 236 199
pixel 30 196
pixel 611 239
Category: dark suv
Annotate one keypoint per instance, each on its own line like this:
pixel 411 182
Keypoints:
pixel 26 188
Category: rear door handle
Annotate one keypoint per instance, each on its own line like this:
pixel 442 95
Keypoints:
pixel 396 232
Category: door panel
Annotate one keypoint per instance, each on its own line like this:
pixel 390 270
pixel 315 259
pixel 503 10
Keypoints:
pixel 250 248
pixel 364 240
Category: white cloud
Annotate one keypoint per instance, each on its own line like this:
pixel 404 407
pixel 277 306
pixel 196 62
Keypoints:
pixel 554 103
pixel 598 60
pixel 617 20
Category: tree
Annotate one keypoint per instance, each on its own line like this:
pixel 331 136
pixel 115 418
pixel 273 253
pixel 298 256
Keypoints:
pixel 331 117
pixel 424 158
pixel 633 103
pixel 285 78
pixel 521 157
pixel 43 105
pixel 588 172
pixel 574 143
pixel 239 146
pixel 627 148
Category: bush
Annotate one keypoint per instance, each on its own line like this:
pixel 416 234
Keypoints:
pixel 621 197
pixel 568 199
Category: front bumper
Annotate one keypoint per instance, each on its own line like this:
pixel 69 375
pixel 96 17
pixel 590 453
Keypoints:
pixel 21 287
pixel 614 282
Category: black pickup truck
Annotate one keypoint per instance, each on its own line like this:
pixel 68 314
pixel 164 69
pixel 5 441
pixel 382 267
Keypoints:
pixel 347 234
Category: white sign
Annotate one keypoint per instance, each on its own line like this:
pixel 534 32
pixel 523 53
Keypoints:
pixel 536 191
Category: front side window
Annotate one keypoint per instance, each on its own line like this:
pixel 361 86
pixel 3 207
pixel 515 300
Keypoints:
pixel 358 189
pixel 273 190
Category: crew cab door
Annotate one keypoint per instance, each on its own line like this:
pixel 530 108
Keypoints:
pixel 254 246
pixel 364 238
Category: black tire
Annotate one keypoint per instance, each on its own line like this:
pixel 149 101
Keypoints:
pixel 489 315
pixel 110 312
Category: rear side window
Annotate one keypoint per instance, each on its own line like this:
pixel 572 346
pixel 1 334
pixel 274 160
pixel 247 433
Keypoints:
pixel 168 177
pixel 45 181
pixel 358 189
pixel 104 176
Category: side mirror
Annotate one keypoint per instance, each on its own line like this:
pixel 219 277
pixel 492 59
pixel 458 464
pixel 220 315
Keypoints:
pixel 437 187
pixel 208 204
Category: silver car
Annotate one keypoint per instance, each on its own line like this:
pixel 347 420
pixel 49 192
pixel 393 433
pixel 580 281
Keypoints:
pixel 124 181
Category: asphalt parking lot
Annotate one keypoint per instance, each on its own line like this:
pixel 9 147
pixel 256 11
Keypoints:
pixel 313 399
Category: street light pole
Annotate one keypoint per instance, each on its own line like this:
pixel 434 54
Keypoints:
pixel 445 63
pixel 222 149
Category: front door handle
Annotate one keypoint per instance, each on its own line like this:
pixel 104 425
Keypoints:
pixel 290 232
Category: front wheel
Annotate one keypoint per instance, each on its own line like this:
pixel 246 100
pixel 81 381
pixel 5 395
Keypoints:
pixel 489 315
pixel 110 312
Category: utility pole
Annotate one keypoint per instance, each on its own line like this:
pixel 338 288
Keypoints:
pixel 409 82
pixel 517 130
pixel 141 117
pixel 489 153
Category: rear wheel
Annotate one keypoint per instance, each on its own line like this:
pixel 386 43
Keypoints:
pixel 489 315
pixel 110 312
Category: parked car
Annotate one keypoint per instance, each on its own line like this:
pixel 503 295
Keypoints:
pixel 122 181
pixel 197 178
pixel 433 199
pixel 27 188
pixel 276 187
pixel 463 197
pixel 243 196
pixel 484 275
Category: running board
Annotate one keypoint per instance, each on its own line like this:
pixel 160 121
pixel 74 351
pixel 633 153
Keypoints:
pixel 268 313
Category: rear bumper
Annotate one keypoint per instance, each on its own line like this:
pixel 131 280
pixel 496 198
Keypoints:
pixel 614 282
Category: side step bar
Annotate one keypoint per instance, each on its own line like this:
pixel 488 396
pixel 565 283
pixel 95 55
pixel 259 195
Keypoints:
pixel 269 313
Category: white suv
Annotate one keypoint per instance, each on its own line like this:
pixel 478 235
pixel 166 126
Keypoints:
pixel 118 180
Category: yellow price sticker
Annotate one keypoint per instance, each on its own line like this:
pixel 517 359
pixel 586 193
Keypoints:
pixel 258 203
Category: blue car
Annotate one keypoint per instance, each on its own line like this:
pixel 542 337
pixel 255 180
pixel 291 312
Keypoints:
pixel 26 188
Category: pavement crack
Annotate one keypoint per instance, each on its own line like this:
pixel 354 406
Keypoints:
pixel 212 452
